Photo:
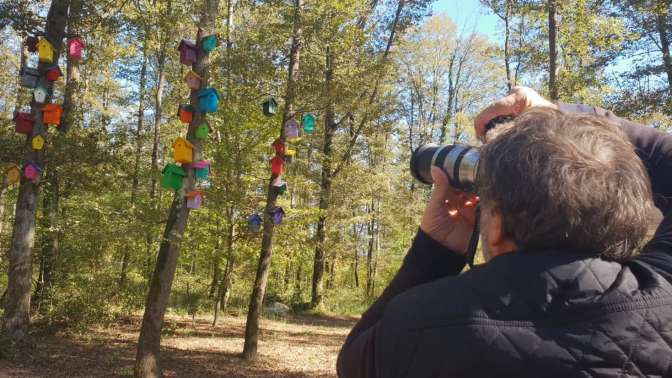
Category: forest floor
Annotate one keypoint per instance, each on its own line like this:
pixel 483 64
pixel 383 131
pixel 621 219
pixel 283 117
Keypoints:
pixel 295 346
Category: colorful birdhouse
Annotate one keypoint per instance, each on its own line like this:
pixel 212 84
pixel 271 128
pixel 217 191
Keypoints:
pixel 24 123
pixel 209 43
pixel 193 80
pixel 289 155
pixel 32 171
pixel 278 214
pixel 281 185
pixel 279 146
pixel 208 100
pixel 40 94
pixel 195 199
pixel 202 131
pixel 45 51
pixel 270 107
pixel 254 222
pixel 172 177
pixel 309 123
pixel 75 48
pixel 29 77
pixel 188 52
pixel 37 142
pixel 291 129
pixel 53 73
pixel 183 151
pixel 13 173
pixel 31 44
pixel 201 170
pixel 277 165
pixel 51 114
pixel 186 113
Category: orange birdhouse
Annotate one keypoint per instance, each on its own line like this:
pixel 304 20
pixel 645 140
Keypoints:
pixel 183 151
pixel 51 114
pixel 193 80
pixel 186 113
pixel 13 173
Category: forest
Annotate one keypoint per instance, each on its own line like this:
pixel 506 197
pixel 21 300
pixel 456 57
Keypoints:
pixel 226 181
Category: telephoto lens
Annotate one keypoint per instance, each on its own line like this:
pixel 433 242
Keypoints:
pixel 459 161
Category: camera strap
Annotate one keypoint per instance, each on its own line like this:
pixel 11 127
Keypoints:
pixel 473 241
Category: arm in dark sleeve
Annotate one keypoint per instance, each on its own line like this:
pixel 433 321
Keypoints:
pixel 654 147
pixel 426 261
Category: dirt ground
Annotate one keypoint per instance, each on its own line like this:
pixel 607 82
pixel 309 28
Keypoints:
pixel 297 346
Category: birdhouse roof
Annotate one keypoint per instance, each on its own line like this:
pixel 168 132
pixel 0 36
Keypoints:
pixel 76 40
pixel 23 116
pixel 186 142
pixel 11 167
pixel 309 116
pixel 41 88
pixel 208 92
pixel 186 44
pixel 32 71
pixel 206 125
pixel 55 67
pixel 192 73
pixel 195 193
pixel 279 210
pixel 34 166
pixel 277 160
pixel 201 164
pixel 254 218
pixel 38 137
pixel 52 108
pixel 45 43
pixel 271 100
pixel 291 123
pixel 173 169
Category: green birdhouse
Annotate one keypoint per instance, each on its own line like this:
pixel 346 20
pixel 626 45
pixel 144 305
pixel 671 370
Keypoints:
pixel 270 107
pixel 209 43
pixel 202 131
pixel 309 123
pixel 173 176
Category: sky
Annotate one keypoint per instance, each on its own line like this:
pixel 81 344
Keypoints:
pixel 469 14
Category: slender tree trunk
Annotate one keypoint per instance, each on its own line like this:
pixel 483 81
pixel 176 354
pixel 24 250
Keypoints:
pixel 4 186
pixel 224 291
pixel 17 305
pixel 125 258
pixel 259 288
pixel 147 358
pixel 507 44
pixel 325 183
pixel 50 249
pixel 661 25
pixel 552 50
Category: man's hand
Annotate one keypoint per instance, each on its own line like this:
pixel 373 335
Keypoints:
pixel 450 215
pixel 518 100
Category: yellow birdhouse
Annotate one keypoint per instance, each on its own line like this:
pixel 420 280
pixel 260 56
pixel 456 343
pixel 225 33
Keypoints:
pixel 183 151
pixel 38 142
pixel 45 51
pixel 13 173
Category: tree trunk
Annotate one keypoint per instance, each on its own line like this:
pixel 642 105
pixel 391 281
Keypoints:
pixel 552 50
pixel 661 25
pixel 138 150
pixel 4 186
pixel 261 278
pixel 325 183
pixel 147 358
pixel 224 290
pixel 17 305
pixel 507 44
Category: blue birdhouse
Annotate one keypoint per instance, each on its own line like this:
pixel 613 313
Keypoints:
pixel 254 223
pixel 209 43
pixel 208 100
pixel 309 123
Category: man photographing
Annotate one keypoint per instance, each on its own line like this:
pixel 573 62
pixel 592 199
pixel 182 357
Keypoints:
pixel 568 288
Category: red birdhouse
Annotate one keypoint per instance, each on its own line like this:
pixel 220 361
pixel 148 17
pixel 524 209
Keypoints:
pixel 277 165
pixel 53 73
pixel 279 146
pixel 188 52
pixel 186 113
pixel 75 48
pixel 51 114
pixel 24 123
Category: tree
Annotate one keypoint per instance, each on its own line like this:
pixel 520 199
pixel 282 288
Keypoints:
pixel 147 358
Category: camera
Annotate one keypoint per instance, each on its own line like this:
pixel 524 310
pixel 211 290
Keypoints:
pixel 459 161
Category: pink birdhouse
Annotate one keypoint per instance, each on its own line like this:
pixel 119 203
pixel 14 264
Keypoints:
pixel 32 171
pixel 193 80
pixel 277 165
pixel 195 199
pixel 188 52
pixel 53 73
pixel 75 48
pixel 279 146
pixel 291 129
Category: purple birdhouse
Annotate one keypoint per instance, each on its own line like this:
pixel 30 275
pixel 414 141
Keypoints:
pixel 291 129
pixel 278 214
pixel 188 52
pixel 195 199
pixel 254 222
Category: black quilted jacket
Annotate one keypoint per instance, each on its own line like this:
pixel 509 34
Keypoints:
pixel 553 313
